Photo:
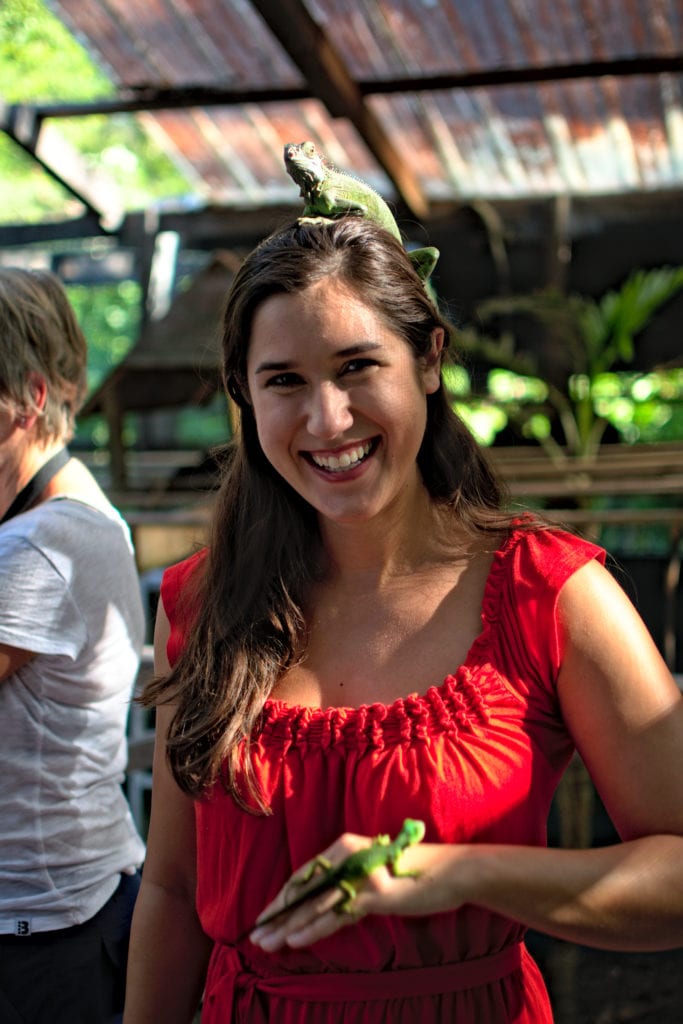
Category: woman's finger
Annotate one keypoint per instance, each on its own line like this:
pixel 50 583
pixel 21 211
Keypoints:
pixel 305 919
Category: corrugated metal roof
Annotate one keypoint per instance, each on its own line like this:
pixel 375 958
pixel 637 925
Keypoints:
pixel 399 81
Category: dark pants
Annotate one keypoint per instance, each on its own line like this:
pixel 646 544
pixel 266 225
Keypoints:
pixel 72 975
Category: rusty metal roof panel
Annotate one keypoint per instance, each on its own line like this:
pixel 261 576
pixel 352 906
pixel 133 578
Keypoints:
pixel 161 43
pixel 236 153
pixel 385 37
pixel 584 135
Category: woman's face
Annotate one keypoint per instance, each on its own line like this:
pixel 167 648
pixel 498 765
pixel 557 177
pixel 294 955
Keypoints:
pixel 339 401
pixel 15 467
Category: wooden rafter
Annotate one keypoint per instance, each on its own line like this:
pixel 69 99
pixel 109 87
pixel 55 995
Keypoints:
pixel 150 97
pixel 61 161
pixel 328 77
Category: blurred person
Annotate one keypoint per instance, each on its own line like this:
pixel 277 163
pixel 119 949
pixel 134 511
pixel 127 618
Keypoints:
pixel 71 632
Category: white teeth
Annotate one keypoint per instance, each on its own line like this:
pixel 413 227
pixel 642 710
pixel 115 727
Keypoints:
pixel 348 458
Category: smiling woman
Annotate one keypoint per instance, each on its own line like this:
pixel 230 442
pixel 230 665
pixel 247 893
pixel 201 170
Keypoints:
pixel 371 636
pixel 343 424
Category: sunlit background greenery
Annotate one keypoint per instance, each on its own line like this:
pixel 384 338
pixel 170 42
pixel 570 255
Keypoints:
pixel 40 61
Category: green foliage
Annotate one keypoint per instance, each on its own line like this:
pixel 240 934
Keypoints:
pixel 203 428
pixel 27 194
pixel 40 61
pixel 109 315
pixel 609 327
pixel 456 380
pixel 596 335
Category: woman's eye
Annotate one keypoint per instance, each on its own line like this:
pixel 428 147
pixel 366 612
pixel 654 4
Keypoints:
pixel 283 380
pixel 356 365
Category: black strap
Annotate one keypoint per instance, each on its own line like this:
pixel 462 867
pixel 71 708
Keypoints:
pixel 37 484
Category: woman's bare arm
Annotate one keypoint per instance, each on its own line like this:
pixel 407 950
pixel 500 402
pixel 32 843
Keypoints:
pixel 169 951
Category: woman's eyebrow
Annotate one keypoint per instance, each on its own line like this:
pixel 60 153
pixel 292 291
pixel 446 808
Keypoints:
pixel 358 349
pixel 269 367
pixel 343 353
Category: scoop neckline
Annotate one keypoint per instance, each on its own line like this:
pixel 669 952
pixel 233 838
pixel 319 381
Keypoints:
pixel 489 613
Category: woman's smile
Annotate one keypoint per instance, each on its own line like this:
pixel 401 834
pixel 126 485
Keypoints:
pixel 343 461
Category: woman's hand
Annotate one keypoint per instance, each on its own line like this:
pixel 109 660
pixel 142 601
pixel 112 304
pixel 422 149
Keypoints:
pixel 422 885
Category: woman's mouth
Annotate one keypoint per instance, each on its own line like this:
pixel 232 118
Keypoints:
pixel 350 458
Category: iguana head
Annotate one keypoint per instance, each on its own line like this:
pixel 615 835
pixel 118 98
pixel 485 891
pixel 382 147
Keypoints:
pixel 413 829
pixel 304 165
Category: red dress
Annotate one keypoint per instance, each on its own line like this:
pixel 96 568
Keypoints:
pixel 477 758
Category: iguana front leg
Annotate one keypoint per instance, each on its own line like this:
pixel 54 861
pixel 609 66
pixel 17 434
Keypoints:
pixel 349 893
pixel 330 206
pixel 349 890
pixel 317 864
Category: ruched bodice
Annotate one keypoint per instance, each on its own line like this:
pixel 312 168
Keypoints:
pixel 477 757
pixel 455 706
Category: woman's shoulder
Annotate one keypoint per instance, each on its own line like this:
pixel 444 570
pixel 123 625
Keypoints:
pixel 67 525
pixel 527 576
pixel 177 577
pixel 546 552
pixel 179 600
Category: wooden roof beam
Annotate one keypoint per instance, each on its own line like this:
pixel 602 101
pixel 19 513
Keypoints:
pixel 326 73
pixel 148 98
pixel 58 158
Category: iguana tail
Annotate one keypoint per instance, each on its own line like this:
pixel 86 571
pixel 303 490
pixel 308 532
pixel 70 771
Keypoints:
pixel 424 261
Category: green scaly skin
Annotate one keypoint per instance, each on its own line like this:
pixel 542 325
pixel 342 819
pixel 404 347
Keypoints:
pixel 383 852
pixel 330 193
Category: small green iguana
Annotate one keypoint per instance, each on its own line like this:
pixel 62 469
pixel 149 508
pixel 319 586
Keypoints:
pixel 383 852
pixel 330 193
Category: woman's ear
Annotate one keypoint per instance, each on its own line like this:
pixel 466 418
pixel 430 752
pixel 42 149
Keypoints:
pixel 27 416
pixel 431 372
pixel 38 388
pixel 239 391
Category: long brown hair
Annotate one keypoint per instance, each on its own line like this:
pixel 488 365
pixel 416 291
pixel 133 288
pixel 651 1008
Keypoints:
pixel 265 549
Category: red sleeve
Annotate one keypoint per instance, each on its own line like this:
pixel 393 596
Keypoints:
pixel 540 564
pixel 176 596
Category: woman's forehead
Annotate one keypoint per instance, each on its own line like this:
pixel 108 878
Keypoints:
pixel 323 318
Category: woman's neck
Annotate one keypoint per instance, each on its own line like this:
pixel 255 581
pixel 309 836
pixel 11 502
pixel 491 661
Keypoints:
pixel 372 554
pixel 20 466
pixel 76 481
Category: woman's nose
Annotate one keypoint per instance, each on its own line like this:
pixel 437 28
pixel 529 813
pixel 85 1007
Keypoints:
pixel 329 414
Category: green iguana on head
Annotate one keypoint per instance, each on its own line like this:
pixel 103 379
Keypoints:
pixel 330 193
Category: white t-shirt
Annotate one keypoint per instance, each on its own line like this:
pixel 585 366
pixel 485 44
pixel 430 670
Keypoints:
pixel 69 593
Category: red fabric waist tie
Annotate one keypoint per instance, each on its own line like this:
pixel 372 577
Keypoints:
pixel 233 985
